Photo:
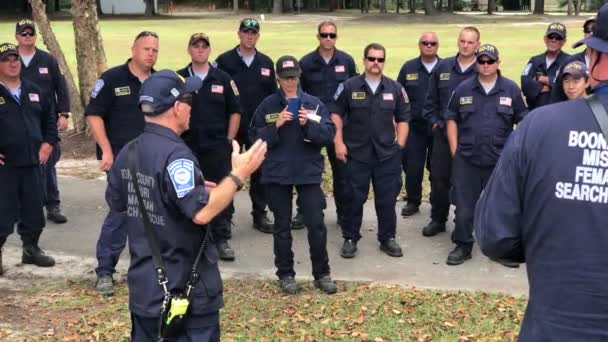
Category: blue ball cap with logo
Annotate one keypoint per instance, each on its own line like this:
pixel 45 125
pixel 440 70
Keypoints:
pixel 162 89
pixel 599 39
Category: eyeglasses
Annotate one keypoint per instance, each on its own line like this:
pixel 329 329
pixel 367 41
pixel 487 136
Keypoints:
pixel 147 34
pixel 428 43
pixel 485 61
pixel 27 34
pixel 555 37
pixel 589 29
pixel 373 59
pixel 250 23
pixel 328 35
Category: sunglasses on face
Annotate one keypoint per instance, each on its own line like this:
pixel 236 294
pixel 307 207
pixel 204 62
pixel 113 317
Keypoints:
pixel 428 43
pixel 555 37
pixel 588 29
pixel 485 61
pixel 374 59
pixel 328 35
pixel 27 34
pixel 147 34
pixel 250 23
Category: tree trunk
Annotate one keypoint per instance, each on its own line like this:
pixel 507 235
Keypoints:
pixel 277 7
pixel 149 8
pixel 235 6
pixel 570 7
pixel 49 39
pixel 429 8
pixel 288 6
pixel 577 7
pixel 539 7
pixel 451 5
pixel 491 6
pixel 383 6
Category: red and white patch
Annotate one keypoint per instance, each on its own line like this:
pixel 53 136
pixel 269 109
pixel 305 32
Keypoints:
pixel 388 97
pixel 506 101
pixel 217 89
pixel 340 68
pixel 265 72
pixel 34 97
pixel 43 70
pixel 288 64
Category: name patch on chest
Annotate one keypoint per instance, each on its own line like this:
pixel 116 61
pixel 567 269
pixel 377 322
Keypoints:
pixel 34 97
pixel 466 100
pixel 411 77
pixel 217 89
pixel 43 70
pixel 270 118
pixel 358 95
pixel 181 172
pixel 340 68
pixel 122 91
pixel 444 76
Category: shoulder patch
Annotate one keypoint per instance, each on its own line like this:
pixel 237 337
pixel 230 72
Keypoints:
pixel 411 77
pixel 98 86
pixel 527 69
pixel 122 91
pixel 339 91
pixel 235 90
pixel 445 76
pixel 405 97
pixel 181 172
pixel 270 118
pixel 466 100
pixel 2 100
pixel 214 64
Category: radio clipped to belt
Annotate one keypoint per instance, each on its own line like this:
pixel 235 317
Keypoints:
pixel 176 305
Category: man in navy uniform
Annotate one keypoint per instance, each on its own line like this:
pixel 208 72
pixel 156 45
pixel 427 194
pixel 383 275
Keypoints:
pixel 545 205
pixel 295 135
pixel 178 205
pixel 42 69
pixel 448 74
pixel 538 77
pixel 480 116
pixel 323 70
pixel 253 73
pixel 215 119
pixel 557 92
pixel 414 76
pixel 377 107
pixel 28 131
pixel 115 119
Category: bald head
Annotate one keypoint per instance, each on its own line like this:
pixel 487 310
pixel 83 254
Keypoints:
pixel 428 44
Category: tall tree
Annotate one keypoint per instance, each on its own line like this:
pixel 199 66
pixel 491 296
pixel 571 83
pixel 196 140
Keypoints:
pixel 235 6
pixel 150 10
pixel 429 7
pixel 491 6
pixel 570 7
pixel 277 7
pixel 539 7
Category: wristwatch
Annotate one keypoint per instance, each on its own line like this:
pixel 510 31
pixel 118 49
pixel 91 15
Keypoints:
pixel 237 181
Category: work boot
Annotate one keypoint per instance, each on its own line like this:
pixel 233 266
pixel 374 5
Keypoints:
pixel 32 254
pixel 54 214
pixel 410 209
pixel 506 262
pixel 288 285
pixel 226 253
pixel 297 222
pixel 433 228
pixel 459 255
pixel 391 247
pixel 349 249
pixel 105 285
pixel 326 285
pixel 263 224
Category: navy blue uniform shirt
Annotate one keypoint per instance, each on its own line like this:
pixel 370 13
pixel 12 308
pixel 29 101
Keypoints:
pixel 369 132
pixel 212 106
pixel 485 121
pixel 25 125
pixel 255 82
pixel 172 188
pixel 546 204
pixel 294 151
pixel 321 79
pixel 44 72
pixel 537 66
pixel 444 79
pixel 557 92
pixel 115 99
pixel 415 78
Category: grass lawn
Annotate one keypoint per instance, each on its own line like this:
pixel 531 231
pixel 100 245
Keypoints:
pixel 258 311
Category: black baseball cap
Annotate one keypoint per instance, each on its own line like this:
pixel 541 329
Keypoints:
pixel 588 21
pixel 599 39
pixel 24 24
pixel 288 66
pixel 557 28
pixel 162 89
pixel 7 49
pixel 576 69
pixel 488 50
pixel 195 38
pixel 249 24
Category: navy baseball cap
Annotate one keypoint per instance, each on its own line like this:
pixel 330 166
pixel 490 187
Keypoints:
pixel 599 39
pixel 24 24
pixel 288 66
pixel 161 90
pixel 576 69
pixel 7 49
pixel 488 50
